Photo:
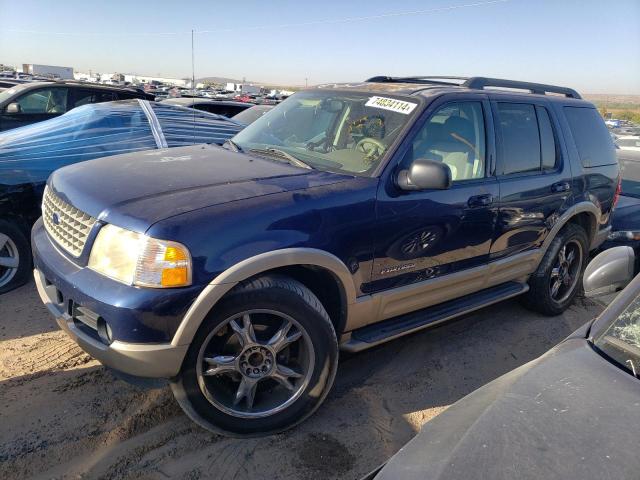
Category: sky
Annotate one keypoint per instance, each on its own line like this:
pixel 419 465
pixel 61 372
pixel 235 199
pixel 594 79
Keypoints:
pixel 592 46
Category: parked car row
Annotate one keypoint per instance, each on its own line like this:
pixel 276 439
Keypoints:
pixel 28 155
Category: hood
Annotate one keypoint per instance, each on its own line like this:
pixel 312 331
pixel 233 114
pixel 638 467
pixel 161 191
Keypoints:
pixel 136 190
pixel 626 215
pixel 568 414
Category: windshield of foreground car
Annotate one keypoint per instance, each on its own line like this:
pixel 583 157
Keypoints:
pixel 620 341
pixel 329 130
pixel 630 172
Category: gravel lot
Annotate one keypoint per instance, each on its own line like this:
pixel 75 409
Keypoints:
pixel 65 416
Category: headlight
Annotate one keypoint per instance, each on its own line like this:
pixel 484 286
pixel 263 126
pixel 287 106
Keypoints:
pixel 137 259
pixel 624 235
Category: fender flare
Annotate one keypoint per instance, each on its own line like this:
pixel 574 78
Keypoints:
pixel 250 267
pixel 574 210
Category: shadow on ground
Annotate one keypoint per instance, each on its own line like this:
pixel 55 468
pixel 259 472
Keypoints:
pixel 64 421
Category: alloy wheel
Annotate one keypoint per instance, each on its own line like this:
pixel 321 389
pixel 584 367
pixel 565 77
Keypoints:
pixel 255 363
pixel 566 270
pixel 9 259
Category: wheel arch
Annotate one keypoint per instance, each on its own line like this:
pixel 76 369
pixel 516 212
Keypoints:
pixel 308 266
pixel 584 214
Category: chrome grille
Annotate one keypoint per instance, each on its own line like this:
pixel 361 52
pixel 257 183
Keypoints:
pixel 67 225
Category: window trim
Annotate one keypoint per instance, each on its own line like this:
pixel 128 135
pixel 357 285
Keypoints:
pixel 560 155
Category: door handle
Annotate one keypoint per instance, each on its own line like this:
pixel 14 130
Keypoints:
pixel 560 187
pixel 480 200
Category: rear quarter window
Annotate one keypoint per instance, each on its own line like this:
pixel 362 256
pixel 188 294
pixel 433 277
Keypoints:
pixel 591 136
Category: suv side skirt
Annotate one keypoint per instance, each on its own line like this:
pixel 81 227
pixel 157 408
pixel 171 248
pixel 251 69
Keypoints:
pixel 366 309
pixel 380 306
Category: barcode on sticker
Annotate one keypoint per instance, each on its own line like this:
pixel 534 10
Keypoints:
pixel 392 104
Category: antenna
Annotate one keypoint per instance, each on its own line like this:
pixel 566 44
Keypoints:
pixel 193 83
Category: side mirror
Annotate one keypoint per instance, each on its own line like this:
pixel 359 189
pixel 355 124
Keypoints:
pixel 609 271
pixel 425 174
pixel 13 108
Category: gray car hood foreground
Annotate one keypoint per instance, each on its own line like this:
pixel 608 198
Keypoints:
pixel 568 414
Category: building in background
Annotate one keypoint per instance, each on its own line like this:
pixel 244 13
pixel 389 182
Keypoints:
pixel 51 71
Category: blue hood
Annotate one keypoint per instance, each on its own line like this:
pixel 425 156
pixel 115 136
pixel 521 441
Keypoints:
pixel 136 190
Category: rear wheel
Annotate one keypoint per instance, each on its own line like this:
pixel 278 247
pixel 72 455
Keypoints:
pixel 262 362
pixel 558 278
pixel 15 256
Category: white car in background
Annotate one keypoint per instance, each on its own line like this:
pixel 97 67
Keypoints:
pixel 628 142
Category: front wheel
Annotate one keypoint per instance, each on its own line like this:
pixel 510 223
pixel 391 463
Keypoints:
pixel 15 256
pixel 557 280
pixel 262 362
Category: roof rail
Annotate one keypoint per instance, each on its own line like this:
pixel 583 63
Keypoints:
pixel 420 79
pixel 479 83
pixel 539 88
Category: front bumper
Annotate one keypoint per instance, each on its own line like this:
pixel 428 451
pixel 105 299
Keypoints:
pixel 142 360
pixel 65 288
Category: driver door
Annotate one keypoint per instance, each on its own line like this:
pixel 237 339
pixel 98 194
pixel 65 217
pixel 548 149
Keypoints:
pixel 432 233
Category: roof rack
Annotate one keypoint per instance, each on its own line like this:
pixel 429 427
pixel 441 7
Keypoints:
pixel 420 79
pixel 479 83
pixel 539 88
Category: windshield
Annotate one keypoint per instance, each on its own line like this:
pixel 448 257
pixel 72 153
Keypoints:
pixel 630 172
pixel 620 341
pixel 328 130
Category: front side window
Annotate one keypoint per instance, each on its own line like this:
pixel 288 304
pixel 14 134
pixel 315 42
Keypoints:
pixel 454 135
pixel 620 340
pixel 44 100
pixel 330 130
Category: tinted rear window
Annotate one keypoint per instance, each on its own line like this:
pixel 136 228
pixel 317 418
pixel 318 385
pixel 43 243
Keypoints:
pixel 591 136
pixel 520 137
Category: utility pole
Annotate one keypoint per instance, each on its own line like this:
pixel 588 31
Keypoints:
pixel 306 82
pixel 193 65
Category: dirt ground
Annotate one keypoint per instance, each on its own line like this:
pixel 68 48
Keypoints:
pixel 62 415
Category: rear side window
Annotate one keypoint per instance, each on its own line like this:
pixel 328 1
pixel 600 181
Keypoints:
pixel 528 141
pixel 548 148
pixel 591 136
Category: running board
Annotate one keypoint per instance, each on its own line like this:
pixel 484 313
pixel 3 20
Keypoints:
pixel 372 335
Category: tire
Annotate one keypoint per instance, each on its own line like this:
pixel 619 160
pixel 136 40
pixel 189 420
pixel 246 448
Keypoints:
pixel 14 247
pixel 269 301
pixel 540 296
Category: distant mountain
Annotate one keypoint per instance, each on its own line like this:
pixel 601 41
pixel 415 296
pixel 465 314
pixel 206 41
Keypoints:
pixel 612 98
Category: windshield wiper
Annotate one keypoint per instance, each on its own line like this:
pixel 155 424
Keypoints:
pixel 234 146
pixel 281 154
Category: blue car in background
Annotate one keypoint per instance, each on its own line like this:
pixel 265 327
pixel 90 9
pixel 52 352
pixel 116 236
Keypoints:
pixel 28 155
pixel 625 220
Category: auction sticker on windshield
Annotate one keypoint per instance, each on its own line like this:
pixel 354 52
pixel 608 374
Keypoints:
pixel 392 104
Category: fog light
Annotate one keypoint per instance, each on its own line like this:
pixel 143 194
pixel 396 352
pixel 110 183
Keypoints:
pixel 104 331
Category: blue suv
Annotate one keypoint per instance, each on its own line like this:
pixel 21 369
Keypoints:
pixel 349 215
